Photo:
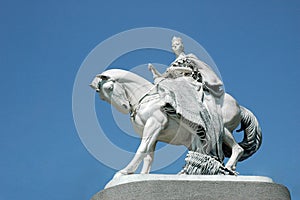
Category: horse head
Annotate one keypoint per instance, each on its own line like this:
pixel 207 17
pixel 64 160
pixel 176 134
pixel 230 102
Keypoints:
pixel 111 91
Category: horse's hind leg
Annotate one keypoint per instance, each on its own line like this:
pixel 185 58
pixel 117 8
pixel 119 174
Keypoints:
pixel 231 118
pixel 237 151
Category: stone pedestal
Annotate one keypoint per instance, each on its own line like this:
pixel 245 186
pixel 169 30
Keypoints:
pixel 152 187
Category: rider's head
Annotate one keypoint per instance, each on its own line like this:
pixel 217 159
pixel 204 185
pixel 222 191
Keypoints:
pixel 177 45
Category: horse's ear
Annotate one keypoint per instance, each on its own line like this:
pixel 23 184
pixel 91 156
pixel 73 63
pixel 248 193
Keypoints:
pixel 103 77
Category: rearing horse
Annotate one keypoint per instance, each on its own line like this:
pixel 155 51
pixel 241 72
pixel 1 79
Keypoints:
pixel 130 93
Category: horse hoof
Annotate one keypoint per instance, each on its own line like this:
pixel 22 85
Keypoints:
pixel 119 174
pixel 231 171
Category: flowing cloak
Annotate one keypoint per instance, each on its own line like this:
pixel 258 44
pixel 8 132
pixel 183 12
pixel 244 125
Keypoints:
pixel 212 97
pixel 182 96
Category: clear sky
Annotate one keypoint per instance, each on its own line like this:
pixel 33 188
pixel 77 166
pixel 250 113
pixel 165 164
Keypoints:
pixel 255 44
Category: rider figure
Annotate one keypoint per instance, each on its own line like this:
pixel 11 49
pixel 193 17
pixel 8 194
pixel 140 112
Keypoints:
pixel 190 65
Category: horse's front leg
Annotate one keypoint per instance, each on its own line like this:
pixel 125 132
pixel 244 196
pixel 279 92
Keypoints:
pixel 148 161
pixel 152 128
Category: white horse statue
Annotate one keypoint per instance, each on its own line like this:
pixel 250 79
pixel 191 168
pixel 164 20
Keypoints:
pixel 151 119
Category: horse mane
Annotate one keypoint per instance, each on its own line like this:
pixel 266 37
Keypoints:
pixel 124 76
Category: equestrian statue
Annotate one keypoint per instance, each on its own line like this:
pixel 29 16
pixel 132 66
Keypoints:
pixel 186 105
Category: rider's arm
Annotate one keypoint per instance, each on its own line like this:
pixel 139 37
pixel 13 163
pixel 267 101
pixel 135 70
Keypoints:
pixel 154 71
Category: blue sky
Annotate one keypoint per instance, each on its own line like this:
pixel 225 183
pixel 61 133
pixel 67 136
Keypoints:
pixel 255 44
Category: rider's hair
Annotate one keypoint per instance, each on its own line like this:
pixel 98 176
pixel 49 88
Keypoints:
pixel 176 39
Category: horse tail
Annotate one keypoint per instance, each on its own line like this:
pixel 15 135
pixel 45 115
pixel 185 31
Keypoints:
pixel 252 133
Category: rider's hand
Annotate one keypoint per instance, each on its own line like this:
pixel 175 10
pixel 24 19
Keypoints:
pixel 150 66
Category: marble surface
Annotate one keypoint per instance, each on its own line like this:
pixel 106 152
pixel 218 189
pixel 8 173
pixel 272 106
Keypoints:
pixel 160 177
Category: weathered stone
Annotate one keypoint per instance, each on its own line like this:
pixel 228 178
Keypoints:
pixel 212 187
